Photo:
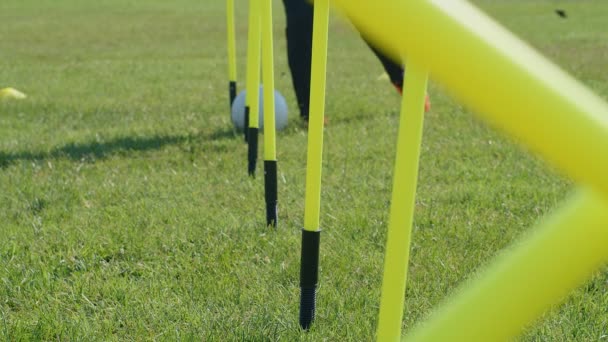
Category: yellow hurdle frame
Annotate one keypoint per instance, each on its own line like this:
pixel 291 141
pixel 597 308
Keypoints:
pixel 516 90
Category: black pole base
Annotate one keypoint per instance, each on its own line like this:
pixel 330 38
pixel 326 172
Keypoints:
pixel 309 273
pixel 270 191
pixel 308 301
pixel 232 90
pixel 252 151
pixel 246 123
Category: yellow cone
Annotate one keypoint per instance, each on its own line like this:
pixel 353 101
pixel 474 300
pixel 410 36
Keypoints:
pixel 11 93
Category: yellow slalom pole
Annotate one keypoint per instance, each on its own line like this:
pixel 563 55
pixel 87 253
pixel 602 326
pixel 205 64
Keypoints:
pixel 503 79
pixel 252 99
pixel 231 50
pixel 311 233
pixel 401 217
pixel 268 78
pixel 270 153
pixel 526 280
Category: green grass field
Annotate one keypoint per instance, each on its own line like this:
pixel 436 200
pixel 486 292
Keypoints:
pixel 127 213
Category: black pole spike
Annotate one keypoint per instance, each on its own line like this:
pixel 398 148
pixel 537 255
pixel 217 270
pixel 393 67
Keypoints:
pixel 270 191
pixel 232 90
pixel 252 151
pixel 309 274
pixel 246 123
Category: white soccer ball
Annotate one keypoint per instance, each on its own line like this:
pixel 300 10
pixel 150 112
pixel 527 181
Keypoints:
pixel 280 110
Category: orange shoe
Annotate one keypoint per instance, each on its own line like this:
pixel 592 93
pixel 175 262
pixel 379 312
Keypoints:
pixel 427 101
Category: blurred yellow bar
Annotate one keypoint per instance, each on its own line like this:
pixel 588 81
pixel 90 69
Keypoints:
pixel 252 98
pixel 504 80
pixel 396 258
pixel 268 80
pixel 317 113
pixel 231 40
pixel 526 280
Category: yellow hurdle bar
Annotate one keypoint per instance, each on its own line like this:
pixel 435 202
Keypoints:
pixel 526 280
pixel 252 99
pixel 503 79
pixel 270 154
pixel 401 217
pixel 231 51
pixel 311 232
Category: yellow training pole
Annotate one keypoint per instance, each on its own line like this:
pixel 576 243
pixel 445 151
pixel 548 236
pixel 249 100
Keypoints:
pixel 311 232
pixel 502 78
pixel 526 280
pixel 231 50
pixel 401 217
pixel 252 99
pixel 270 154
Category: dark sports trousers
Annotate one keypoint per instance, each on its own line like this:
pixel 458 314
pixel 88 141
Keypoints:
pixel 299 15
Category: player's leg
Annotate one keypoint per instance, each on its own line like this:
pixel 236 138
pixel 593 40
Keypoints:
pixel 299 15
pixel 394 70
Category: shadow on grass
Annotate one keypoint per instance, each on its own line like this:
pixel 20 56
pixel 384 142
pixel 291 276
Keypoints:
pixel 95 150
